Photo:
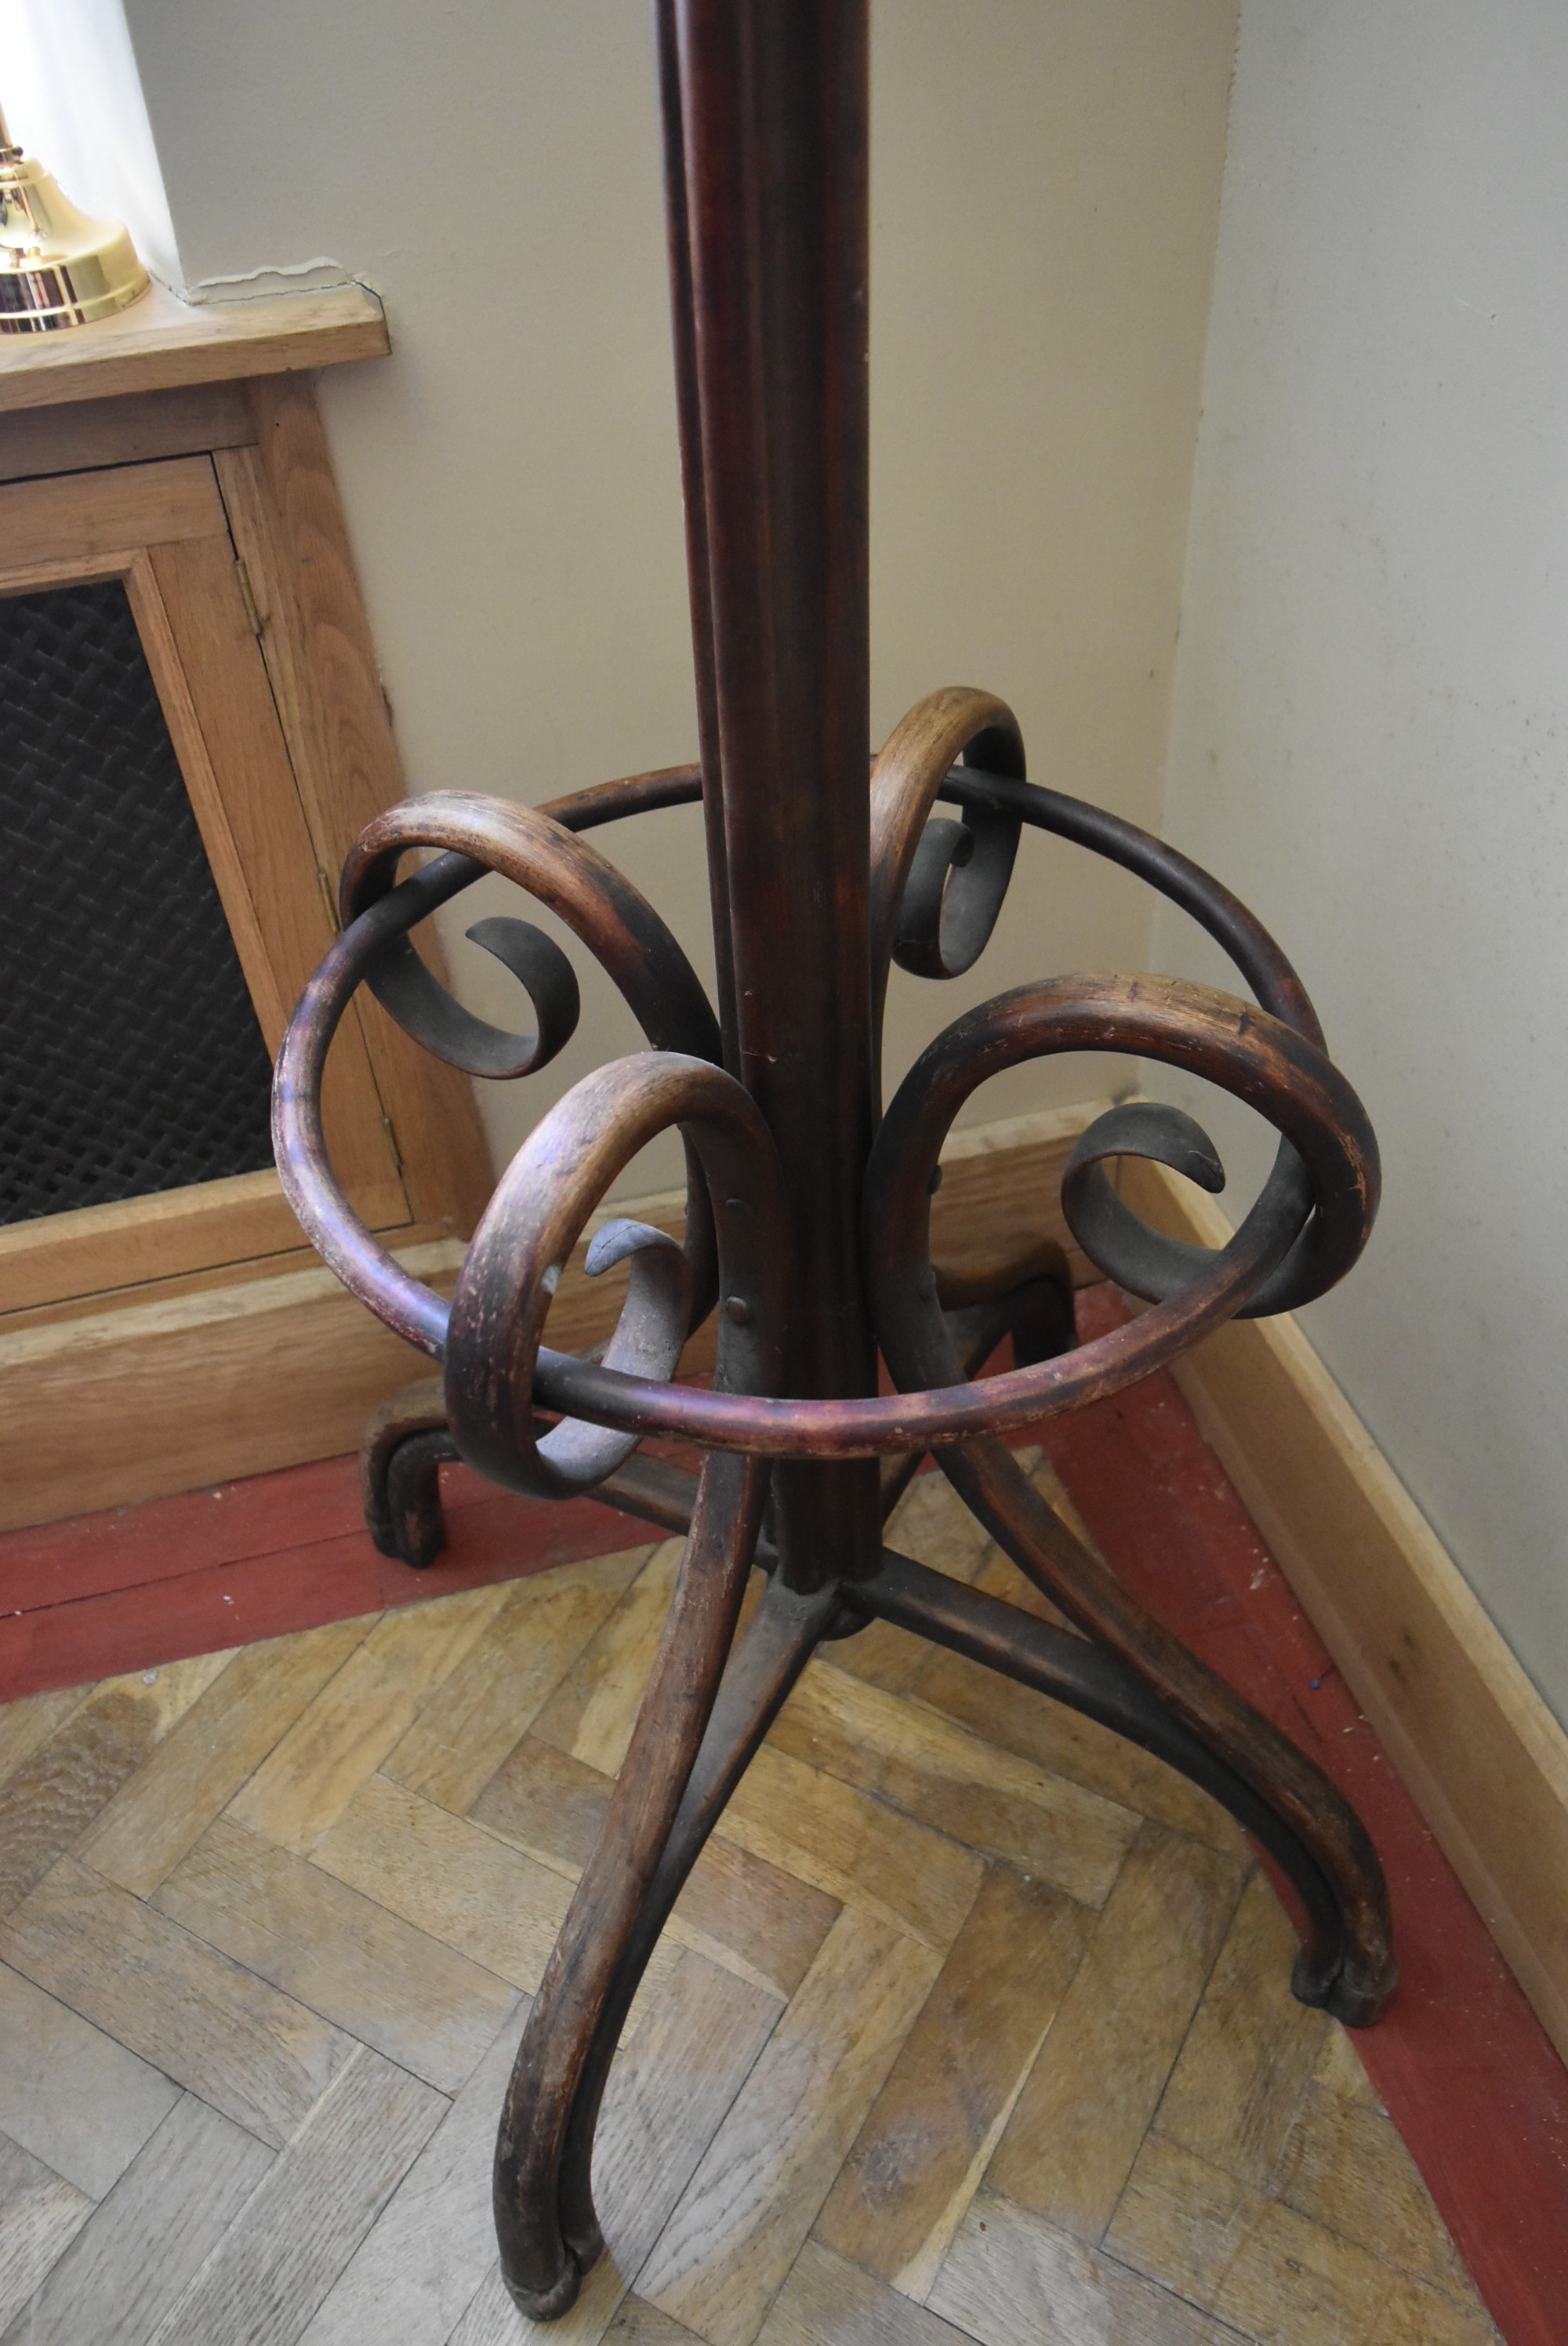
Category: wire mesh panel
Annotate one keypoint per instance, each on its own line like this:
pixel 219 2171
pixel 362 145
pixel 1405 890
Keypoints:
pixel 130 1057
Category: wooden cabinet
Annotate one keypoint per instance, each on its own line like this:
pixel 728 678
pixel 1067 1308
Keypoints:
pixel 133 1356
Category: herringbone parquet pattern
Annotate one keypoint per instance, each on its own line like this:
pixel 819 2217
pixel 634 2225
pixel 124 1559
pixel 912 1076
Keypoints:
pixel 972 2025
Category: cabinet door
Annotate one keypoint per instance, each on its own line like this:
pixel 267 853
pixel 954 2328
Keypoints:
pixel 162 529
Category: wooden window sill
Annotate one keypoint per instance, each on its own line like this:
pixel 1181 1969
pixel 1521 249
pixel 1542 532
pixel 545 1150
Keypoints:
pixel 160 344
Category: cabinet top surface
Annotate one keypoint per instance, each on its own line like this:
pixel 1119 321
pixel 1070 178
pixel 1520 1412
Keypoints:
pixel 160 344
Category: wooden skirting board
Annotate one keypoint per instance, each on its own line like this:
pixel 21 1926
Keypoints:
pixel 1485 1759
pixel 118 1405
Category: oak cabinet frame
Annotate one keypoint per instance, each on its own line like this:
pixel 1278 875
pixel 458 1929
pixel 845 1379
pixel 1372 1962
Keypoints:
pixel 216 505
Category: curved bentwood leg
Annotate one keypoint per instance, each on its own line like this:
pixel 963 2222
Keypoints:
pixel 779 1642
pixel 1137 1678
pixel 1087 1677
pixel 544 2253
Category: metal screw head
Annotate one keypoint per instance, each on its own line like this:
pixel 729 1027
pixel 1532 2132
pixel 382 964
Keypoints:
pixel 738 1309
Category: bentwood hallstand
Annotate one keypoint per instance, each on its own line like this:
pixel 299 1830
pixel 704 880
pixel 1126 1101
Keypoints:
pixel 808 1212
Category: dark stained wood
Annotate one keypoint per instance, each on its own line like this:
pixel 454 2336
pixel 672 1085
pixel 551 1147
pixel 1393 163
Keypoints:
pixel 772 199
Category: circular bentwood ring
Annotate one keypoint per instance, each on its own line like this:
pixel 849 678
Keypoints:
pixel 936 886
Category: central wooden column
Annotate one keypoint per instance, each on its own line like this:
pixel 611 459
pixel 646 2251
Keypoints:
pixel 766 143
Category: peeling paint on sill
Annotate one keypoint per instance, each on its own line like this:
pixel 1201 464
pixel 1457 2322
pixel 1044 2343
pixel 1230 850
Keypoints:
pixel 271 278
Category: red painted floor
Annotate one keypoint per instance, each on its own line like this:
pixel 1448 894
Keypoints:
pixel 1465 2069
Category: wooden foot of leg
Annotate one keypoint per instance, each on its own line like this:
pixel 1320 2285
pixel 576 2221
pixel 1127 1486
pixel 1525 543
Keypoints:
pixel 1347 1963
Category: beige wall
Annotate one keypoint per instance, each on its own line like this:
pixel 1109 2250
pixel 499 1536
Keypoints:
pixel 1045 191
pixel 1371 713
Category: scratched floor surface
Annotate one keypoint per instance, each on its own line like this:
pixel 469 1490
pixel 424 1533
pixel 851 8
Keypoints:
pixel 972 2025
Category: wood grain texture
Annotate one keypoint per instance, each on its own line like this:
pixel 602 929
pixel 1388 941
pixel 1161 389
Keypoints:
pixel 98 1248
pixel 957 1783
pixel 931 2133
pixel 637 2323
pixel 748 1916
pixel 1339 2071
pixel 488 1702
pixel 160 343
pixel 161 1396
pixel 1329 2290
pixel 304 1785
pixel 1271 2273
pixel 1468 1732
pixel 433 2252
pixel 189 604
pixel 164 1807
pixel 449 1878
pixel 290 531
pixel 1182 2222
pixel 695 2046
pixel 190 611
pixel 40 2214
pixel 1004 1179
pixel 262 730
pixel 547 1803
pixel 273 2267
pixel 272 1366
pixel 71 2094
pixel 83 518
pixel 90 433
pixel 1010 2275
pixel 999 1178
pixel 492 2320
pixel 58 1790
pixel 1234 2094
pixel 414 1998
pixel 1064 1744
pixel 1074 2134
pixel 297 1255
pixel 593 1711
pixel 749 2206
pixel 418 2265
pixel 136 2254
pixel 1344 2167
pixel 932 1525
pixel 849 1845
pixel 245 800
pixel 31 1720
pixel 828 2301
pixel 871 2105
pixel 256 2055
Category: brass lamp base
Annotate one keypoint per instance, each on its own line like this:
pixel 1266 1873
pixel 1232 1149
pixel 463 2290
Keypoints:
pixel 58 266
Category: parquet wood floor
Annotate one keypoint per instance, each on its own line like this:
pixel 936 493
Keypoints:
pixel 972 2025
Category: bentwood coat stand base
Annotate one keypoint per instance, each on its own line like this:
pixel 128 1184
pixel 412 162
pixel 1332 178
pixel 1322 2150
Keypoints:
pixel 807 1206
